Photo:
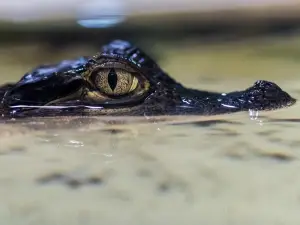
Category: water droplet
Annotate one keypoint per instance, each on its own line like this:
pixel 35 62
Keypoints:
pixel 254 115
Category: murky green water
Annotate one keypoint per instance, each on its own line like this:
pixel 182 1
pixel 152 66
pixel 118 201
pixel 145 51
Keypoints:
pixel 209 170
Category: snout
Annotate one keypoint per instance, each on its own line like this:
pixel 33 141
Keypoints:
pixel 265 95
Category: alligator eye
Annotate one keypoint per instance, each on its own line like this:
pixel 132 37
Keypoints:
pixel 115 81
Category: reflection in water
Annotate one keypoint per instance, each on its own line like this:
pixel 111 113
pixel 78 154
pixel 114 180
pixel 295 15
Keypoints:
pixel 74 144
pixel 205 163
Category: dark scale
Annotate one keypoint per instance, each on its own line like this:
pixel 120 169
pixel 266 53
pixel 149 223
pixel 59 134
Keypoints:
pixel 112 79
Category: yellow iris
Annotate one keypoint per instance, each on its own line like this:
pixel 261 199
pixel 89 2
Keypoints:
pixel 115 82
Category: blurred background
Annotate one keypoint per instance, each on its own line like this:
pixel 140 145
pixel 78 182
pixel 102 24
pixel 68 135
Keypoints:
pixel 191 38
pixel 231 171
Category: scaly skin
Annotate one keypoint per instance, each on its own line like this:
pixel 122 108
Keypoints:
pixel 62 90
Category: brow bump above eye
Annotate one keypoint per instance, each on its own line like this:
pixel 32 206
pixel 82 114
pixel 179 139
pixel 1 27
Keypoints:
pixel 117 65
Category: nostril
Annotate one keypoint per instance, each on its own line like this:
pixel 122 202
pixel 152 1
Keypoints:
pixel 271 90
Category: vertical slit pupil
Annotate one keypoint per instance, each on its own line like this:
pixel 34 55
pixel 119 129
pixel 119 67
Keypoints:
pixel 112 79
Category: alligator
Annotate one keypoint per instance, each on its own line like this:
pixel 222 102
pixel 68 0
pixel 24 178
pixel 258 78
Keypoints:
pixel 121 80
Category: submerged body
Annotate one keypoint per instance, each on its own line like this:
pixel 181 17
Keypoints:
pixel 122 80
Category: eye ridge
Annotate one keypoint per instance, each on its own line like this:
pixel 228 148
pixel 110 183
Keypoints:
pixel 112 79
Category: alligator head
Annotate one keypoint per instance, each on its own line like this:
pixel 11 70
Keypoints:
pixel 123 80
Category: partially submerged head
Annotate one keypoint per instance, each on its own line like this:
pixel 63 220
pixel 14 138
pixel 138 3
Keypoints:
pixel 123 80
